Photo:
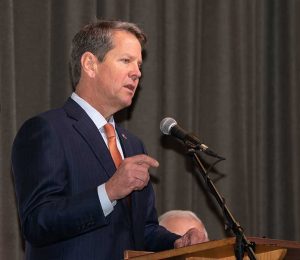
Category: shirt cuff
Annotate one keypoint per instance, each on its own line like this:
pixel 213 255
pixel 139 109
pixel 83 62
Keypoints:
pixel 106 204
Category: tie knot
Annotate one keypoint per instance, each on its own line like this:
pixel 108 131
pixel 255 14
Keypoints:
pixel 109 130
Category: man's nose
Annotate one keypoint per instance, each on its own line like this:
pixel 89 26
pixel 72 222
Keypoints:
pixel 135 72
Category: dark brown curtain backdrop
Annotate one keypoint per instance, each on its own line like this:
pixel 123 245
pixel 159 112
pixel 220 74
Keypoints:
pixel 227 70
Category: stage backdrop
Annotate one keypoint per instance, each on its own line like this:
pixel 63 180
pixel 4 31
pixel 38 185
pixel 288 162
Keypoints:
pixel 227 70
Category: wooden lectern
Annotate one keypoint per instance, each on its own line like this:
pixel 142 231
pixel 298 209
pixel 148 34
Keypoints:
pixel 265 249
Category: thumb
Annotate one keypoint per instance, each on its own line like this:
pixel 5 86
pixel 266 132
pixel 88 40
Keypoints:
pixel 178 243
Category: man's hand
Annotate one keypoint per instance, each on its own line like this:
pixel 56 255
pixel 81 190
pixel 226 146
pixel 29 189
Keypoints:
pixel 191 237
pixel 132 174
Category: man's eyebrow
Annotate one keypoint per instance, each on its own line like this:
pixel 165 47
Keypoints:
pixel 140 62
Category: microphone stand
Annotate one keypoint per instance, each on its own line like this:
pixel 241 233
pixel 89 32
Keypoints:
pixel 242 243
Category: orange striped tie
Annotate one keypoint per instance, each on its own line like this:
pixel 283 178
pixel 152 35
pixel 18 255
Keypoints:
pixel 112 144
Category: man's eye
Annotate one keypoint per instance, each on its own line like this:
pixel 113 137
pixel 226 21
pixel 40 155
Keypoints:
pixel 126 60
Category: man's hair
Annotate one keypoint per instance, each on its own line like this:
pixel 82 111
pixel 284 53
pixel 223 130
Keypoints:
pixel 181 215
pixel 97 38
pixel 178 213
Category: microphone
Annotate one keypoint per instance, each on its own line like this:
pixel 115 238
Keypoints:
pixel 169 126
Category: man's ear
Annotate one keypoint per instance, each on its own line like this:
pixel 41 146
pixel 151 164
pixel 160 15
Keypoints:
pixel 89 64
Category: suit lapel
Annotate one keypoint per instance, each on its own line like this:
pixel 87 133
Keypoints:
pixel 125 144
pixel 89 132
pixel 128 151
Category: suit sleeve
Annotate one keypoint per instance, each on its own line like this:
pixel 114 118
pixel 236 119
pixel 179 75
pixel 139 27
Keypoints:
pixel 157 238
pixel 48 212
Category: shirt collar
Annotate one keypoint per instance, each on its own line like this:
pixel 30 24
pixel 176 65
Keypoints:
pixel 94 114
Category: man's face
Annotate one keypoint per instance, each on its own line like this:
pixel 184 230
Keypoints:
pixel 117 76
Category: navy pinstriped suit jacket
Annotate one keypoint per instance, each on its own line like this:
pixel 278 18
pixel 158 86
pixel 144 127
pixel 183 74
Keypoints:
pixel 59 158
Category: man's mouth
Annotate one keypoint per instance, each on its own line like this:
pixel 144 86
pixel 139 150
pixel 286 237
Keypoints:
pixel 130 87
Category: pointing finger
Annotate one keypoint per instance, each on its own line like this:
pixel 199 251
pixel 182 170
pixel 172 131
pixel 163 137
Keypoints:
pixel 143 159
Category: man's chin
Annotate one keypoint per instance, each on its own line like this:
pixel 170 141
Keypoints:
pixel 126 103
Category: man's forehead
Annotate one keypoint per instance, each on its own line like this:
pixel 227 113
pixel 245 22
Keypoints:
pixel 127 43
pixel 124 34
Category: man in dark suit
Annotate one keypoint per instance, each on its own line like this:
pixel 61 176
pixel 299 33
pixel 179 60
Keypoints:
pixel 74 200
